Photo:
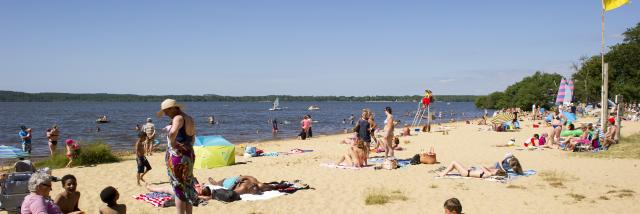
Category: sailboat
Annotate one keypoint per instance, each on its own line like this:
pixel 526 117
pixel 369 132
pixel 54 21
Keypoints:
pixel 276 105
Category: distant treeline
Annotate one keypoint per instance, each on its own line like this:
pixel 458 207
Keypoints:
pixel 11 96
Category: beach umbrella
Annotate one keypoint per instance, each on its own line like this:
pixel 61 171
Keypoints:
pixel 11 152
pixel 501 118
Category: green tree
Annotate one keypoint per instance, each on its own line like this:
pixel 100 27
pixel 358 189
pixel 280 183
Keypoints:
pixel 540 88
pixel 624 71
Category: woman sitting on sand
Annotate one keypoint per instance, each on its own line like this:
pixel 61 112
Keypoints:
pixel 242 185
pixel 510 163
pixel 355 155
pixel 571 141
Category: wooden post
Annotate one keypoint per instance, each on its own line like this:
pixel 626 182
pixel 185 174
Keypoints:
pixel 605 81
pixel 619 114
pixel 604 114
pixel 429 118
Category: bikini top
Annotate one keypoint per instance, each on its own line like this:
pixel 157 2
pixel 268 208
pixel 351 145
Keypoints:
pixel 183 137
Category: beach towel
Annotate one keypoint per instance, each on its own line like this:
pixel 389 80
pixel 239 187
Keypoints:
pixel 156 199
pixel 333 165
pixel 401 162
pixel 500 179
pixel 250 197
pixel 298 151
pixel 265 196
pixel 290 152
pixel 271 154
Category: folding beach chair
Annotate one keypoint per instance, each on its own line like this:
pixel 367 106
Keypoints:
pixel 13 189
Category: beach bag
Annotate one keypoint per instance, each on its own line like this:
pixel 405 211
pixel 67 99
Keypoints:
pixel 415 160
pixel 251 150
pixel 225 195
pixel 390 163
pixel 429 157
pixel 303 134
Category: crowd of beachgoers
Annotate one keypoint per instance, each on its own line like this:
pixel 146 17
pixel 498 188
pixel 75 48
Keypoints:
pixel 367 138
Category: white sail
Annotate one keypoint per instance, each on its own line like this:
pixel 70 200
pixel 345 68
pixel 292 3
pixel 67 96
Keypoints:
pixel 276 105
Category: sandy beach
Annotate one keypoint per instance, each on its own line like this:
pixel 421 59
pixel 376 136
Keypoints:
pixel 591 185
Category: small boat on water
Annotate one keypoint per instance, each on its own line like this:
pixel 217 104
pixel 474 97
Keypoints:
pixel 276 105
pixel 313 108
pixel 102 119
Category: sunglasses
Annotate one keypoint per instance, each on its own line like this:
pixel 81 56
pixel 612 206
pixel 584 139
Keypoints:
pixel 47 185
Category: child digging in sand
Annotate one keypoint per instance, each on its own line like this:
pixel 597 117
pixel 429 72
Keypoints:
pixel 143 163
pixel 68 200
pixel 110 195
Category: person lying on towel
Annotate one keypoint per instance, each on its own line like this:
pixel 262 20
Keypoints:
pixel 204 192
pixel 510 163
pixel 242 185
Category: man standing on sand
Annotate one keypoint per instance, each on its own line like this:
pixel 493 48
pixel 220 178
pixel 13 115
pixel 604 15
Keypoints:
pixel 25 136
pixel 52 136
pixel 150 129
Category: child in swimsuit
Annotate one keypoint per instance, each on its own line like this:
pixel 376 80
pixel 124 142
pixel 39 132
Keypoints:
pixel 72 151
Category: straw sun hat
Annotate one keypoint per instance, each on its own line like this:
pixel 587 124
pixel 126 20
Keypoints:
pixel 167 104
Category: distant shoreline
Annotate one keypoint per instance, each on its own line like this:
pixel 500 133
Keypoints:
pixel 13 96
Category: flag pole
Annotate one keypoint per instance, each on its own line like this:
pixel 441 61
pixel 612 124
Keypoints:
pixel 605 78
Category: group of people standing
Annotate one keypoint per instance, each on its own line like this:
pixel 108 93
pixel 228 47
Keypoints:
pixel 26 134
pixel 306 127
pixel 365 129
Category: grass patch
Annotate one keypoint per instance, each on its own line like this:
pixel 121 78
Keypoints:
pixel 603 198
pixel 623 193
pixel 627 191
pixel 380 196
pixel 556 179
pixel 576 197
pixel 511 186
pixel 433 186
pixel 628 147
pixel 89 154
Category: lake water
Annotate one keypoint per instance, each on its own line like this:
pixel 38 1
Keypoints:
pixel 239 122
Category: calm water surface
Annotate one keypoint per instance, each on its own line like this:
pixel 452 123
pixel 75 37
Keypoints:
pixel 237 121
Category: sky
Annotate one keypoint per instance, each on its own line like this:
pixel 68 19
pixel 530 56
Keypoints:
pixel 295 47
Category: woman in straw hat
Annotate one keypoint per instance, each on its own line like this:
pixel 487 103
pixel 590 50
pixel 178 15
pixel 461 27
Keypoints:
pixel 180 156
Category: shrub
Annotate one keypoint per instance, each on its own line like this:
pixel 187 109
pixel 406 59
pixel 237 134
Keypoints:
pixel 89 154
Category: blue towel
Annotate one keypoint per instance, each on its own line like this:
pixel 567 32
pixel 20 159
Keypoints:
pixel 525 173
pixel 273 154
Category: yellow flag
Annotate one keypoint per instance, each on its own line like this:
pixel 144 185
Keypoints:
pixel 608 5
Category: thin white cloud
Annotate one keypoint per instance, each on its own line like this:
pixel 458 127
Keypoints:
pixel 446 80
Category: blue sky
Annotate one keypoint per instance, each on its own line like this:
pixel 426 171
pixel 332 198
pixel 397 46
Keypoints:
pixel 254 47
